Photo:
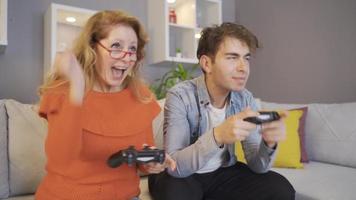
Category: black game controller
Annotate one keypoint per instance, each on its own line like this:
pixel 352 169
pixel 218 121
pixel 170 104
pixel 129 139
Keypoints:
pixel 263 117
pixel 132 156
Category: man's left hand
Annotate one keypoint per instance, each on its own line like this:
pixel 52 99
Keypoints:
pixel 155 168
pixel 275 131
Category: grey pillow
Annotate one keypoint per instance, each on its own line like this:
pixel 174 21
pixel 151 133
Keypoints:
pixel 4 170
pixel 27 133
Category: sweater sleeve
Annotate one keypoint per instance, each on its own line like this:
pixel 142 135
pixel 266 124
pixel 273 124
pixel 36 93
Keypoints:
pixel 64 138
pixel 155 110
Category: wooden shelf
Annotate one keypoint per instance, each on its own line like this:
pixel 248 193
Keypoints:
pixel 181 26
pixel 59 34
pixel 166 37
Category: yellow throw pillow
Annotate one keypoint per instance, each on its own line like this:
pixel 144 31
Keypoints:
pixel 288 151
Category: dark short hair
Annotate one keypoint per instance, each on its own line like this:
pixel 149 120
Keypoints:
pixel 212 37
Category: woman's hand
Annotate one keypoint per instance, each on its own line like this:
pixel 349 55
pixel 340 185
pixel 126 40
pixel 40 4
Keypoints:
pixel 67 65
pixel 155 168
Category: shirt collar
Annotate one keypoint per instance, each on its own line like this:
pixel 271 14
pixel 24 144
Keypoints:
pixel 202 90
pixel 203 94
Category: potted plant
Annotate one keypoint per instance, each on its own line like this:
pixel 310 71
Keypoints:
pixel 170 78
pixel 178 53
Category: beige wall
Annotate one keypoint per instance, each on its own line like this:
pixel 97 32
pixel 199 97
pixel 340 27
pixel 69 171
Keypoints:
pixel 308 55
pixel 309 49
pixel 21 64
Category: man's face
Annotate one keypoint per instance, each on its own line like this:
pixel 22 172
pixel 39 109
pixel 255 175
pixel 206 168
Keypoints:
pixel 231 68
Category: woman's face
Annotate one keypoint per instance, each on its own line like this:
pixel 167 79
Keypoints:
pixel 116 58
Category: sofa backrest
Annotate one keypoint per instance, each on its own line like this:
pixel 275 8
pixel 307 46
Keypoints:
pixel 330 131
pixel 157 125
pixel 25 158
pixel 4 170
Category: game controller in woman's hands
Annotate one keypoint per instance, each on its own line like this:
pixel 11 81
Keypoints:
pixel 132 156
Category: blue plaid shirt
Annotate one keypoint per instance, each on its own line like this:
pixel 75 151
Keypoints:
pixel 187 139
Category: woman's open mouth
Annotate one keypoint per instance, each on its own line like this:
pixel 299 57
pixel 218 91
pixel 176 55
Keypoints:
pixel 118 72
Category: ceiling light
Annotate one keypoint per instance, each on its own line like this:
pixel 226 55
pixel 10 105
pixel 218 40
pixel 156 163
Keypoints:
pixel 171 1
pixel 70 19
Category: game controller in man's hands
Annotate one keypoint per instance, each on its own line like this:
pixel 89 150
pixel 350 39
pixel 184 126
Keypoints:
pixel 264 117
pixel 132 156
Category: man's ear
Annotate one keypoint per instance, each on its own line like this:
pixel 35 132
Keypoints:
pixel 205 63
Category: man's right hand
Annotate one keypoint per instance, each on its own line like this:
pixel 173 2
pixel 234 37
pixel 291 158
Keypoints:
pixel 235 128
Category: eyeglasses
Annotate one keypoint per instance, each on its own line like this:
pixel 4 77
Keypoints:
pixel 118 54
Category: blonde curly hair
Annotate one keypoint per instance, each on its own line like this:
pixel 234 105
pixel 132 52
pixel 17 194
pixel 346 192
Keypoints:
pixel 97 28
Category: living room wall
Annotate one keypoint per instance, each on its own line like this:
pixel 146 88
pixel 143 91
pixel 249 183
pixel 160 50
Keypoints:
pixel 21 66
pixel 308 54
pixel 309 49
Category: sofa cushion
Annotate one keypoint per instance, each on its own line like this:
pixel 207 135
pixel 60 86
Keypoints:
pixel 301 132
pixel 321 181
pixel 302 122
pixel 4 171
pixel 26 132
pixel 331 133
pixel 288 152
pixel 145 194
pixel 157 126
pixel 25 197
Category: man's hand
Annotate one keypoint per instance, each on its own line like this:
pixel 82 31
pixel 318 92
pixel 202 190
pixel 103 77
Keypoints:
pixel 155 168
pixel 275 131
pixel 235 128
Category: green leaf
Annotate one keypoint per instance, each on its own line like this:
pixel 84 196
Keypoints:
pixel 172 77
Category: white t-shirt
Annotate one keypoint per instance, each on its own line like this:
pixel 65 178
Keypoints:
pixel 214 118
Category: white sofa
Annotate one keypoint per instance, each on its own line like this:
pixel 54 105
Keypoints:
pixel 330 143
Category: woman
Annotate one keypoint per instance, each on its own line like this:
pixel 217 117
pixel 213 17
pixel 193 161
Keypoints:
pixel 95 105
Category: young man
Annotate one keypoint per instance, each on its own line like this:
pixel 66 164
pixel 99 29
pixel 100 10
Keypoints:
pixel 203 120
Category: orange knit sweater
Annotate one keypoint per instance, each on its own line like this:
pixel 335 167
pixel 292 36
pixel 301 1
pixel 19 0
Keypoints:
pixel 81 138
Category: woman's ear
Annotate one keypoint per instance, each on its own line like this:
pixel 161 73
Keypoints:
pixel 205 63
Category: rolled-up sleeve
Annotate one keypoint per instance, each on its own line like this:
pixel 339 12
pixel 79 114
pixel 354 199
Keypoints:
pixel 258 155
pixel 189 158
